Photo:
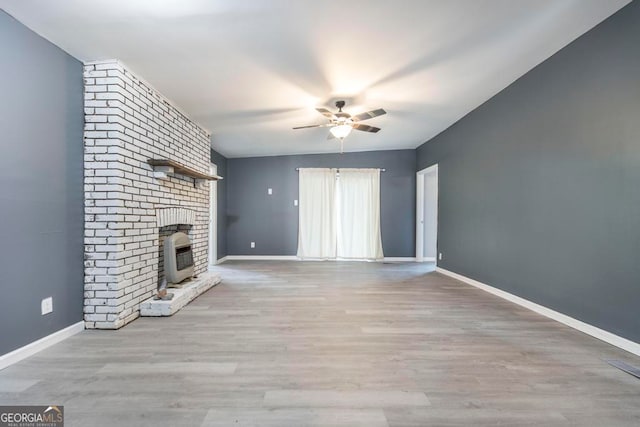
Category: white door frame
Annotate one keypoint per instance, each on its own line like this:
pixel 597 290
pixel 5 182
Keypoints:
pixel 420 177
pixel 213 217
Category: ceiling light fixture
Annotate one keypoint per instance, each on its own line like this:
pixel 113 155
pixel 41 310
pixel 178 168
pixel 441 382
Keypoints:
pixel 341 131
pixel 341 123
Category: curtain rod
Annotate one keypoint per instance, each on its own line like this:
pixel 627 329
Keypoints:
pixel 381 169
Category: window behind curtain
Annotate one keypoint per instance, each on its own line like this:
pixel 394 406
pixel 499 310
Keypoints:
pixel 339 215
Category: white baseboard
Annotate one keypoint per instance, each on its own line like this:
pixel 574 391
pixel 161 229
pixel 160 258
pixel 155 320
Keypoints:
pixel 221 260
pixel 261 258
pixel 36 346
pixel 295 258
pixel 601 334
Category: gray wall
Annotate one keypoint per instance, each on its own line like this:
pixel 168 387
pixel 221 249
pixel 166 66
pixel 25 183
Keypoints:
pixel 41 222
pixel 540 186
pixel 272 221
pixel 221 162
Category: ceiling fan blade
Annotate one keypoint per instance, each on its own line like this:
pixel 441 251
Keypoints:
pixel 368 115
pixel 328 114
pixel 324 125
pixel 365 128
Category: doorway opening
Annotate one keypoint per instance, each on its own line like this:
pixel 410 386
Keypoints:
pixel 213 217
pixel 427 214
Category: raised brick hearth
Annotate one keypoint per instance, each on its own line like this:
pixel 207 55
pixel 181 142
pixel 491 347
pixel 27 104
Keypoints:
pixel 127 123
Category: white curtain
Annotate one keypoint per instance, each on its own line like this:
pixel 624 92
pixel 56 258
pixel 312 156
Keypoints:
pixel 359 214
pixel 317 213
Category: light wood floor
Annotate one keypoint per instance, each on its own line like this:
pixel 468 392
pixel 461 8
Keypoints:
pixel 333 344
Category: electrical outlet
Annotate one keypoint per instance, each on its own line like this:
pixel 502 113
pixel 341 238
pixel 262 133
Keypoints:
pixel 295 203
pixel 46 305
pixel 269 191
pixel 440 256
pixel 253 245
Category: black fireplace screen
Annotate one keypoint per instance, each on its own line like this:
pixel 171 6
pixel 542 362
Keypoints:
pixel 184 258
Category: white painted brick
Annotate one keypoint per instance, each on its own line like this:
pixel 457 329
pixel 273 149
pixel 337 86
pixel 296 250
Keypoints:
pixel 92 104
pixel 95 317
pixel 95 119
pixel 95 134
pixel 107 309
pixel 95 150
pixel 96 301
pixel 108 65
pixel 108 81
pixel 95 88
pixel 109 127
pixel 133 123
pixel 93 73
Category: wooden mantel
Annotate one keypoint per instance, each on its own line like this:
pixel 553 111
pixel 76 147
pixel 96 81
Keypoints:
pixel 163 167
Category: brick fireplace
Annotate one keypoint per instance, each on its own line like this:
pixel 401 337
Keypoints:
pixel 127 122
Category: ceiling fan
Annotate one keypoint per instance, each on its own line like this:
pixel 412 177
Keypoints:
pixel 342 123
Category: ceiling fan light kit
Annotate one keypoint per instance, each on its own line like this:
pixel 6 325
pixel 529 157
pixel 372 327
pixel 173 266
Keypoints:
pixel 341 131
pixel 342 123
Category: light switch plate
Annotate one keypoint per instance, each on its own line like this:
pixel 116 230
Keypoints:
pixel 46 306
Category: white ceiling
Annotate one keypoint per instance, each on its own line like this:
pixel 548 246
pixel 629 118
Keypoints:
pixel 250 70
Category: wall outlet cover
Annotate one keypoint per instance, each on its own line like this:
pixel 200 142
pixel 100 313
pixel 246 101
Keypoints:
pixel 440 256
pixel 269 191
pixel 253 245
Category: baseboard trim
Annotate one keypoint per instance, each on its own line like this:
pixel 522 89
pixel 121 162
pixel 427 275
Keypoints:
pixel 261 258
pixel 295 258
pixel 39 345
pixel 601 334
pixel 221 260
